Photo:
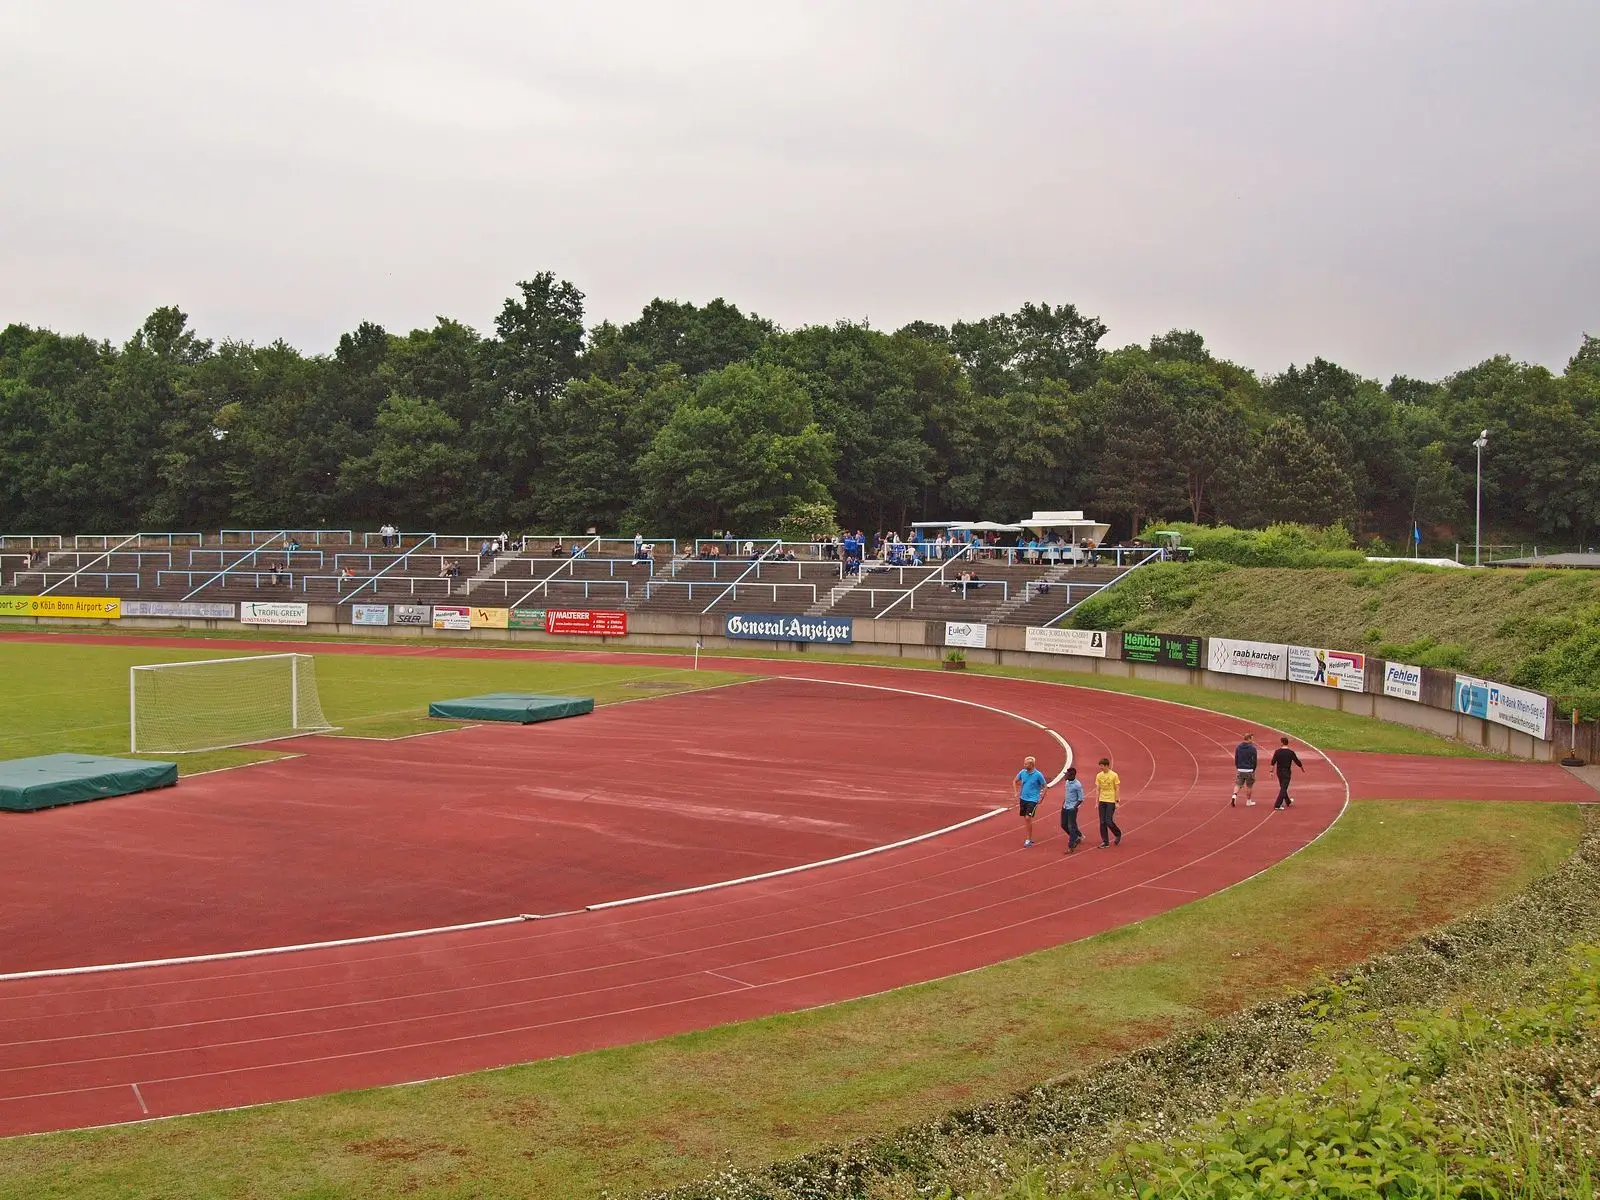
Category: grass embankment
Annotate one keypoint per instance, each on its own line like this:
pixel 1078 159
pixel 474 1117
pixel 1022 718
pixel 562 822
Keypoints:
pixel 74 697
pixel 666 1112
pixel 1462 1064
pixel 1537 629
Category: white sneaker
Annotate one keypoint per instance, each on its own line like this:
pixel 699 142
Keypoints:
pixel 1249 803
pixel 1027 842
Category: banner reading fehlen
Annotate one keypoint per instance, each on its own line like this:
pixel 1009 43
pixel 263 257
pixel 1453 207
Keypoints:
pixel 590 622
pixel 87 608
pixel 1340 669
pixel 1264 660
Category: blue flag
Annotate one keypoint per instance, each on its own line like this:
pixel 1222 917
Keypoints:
pixel 1416 534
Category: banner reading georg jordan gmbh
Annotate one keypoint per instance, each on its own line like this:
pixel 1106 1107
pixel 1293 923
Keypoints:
pixel 1086 643
pixel 778 628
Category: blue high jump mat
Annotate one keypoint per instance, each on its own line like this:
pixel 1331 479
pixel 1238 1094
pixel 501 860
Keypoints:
pixel 520 708
pixel 29 784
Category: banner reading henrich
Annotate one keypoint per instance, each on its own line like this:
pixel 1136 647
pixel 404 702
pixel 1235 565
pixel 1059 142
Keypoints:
pixel 1264 660
pixel 778 628
pixel 1339 669
pixel 970 634
pixel 1528 712
pixel 1086 643
pixel 1163 649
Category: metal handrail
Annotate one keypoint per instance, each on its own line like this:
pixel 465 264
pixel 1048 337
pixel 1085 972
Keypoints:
pixel 565 562
pixel 939 575
pixel 755 564
pixel 90 563
pixel 1151 555
pixel 254 550
pixel 372 580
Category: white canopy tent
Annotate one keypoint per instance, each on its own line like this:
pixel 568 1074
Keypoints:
pixel 1073 526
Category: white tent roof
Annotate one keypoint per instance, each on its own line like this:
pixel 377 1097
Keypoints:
pixel 1075 520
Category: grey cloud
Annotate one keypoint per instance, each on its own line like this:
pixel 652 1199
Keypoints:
pixel 1404 188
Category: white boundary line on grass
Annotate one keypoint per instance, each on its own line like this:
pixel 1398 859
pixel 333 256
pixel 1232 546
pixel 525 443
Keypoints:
pixel 369 939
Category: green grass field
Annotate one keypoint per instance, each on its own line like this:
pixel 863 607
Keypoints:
pixel 75 697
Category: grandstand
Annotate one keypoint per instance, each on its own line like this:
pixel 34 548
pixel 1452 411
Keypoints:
pixel 343 567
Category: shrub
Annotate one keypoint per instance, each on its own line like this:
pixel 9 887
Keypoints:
pixel 1283 545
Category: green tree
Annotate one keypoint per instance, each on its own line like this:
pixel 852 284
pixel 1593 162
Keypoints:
pixel 598 431
pixel 1293 477
pixel 1137 473
pixel 417 467
pixel 738 454
pixel 671 333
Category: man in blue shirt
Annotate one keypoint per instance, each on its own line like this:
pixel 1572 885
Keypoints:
pixel 1070 803
pixel 1244 771
pixel 1030 790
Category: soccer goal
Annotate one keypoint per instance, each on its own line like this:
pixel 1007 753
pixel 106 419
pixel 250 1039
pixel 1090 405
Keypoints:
pixel 181 707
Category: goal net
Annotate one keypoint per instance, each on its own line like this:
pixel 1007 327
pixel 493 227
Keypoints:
pixel 180 707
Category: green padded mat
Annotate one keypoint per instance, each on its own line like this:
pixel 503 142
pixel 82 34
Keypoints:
pixel 27 784
pixel 519 707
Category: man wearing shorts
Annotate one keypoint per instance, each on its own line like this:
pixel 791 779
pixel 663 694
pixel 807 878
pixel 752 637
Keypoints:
pixel 1244 771
pixel 1029 785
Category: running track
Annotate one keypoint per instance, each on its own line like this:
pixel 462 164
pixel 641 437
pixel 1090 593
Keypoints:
pixel 108 1047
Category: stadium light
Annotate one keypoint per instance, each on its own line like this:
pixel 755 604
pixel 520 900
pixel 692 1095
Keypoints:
pixel 1479 443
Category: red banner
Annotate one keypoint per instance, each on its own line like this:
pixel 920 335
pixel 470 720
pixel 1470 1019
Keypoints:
pixel 594 622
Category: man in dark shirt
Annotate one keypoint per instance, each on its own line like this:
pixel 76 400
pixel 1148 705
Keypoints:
pixel 1244 771
pixel 1284 761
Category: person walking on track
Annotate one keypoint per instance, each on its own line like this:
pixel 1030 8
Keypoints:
pixel 1244 771
pixel 1110 785
pixel 1029 785
pixel 1284 761
pixel 1070 803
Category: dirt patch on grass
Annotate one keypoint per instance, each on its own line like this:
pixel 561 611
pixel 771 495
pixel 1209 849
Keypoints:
pixel 399 1149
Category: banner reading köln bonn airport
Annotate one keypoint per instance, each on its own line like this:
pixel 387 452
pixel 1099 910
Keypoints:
pixel 777 627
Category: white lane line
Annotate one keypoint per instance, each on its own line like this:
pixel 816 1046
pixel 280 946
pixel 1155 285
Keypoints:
pixel 137 1095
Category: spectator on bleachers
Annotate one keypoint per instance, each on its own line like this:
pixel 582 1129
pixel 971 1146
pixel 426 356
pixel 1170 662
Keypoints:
pixel 505 542
pixel 276 571
pixel 388 533
pixel 638 547
pixel 293 546
pixel 558 550
pixel 580 552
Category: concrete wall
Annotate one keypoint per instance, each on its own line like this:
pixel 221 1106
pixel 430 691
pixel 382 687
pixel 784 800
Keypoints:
pixel 923 641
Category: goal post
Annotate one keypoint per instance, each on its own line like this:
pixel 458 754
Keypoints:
pixel 215 703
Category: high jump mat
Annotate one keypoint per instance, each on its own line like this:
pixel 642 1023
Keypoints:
pixel 50 780
pixel 520 708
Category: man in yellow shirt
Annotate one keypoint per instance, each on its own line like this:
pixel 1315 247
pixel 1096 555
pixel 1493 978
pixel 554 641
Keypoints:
pixel 1110 785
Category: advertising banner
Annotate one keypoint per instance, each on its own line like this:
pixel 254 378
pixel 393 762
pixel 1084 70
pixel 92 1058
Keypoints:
pixel 411 614
pixel 211 610
pixel 966 633
pixel 591 622
pixel 779 628
pixel 1338 669
pixel 97 608
pixel 273 612
pixel 1163 649
pixel 1264 660
pixel 369 614
pixel 526 618
pixel 491 618
pixel 1089 643
pixel 1512 707
pixel 1402 681
pixel 451 616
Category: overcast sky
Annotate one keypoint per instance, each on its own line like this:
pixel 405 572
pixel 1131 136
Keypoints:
pixel 1404 186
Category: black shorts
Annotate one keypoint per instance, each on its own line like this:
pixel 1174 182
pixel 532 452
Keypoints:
pixel 1026 808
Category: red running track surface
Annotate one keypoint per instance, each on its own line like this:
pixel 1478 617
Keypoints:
pixel 1417 777
pixel 109 1047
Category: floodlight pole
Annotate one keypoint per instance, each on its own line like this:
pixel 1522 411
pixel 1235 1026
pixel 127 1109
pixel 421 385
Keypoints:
pixel 1479 443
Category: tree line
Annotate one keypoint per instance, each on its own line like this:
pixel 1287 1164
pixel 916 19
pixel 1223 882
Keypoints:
pixel 699 417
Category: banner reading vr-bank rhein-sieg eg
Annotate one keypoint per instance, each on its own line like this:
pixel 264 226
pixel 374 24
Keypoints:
pixel 777 627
